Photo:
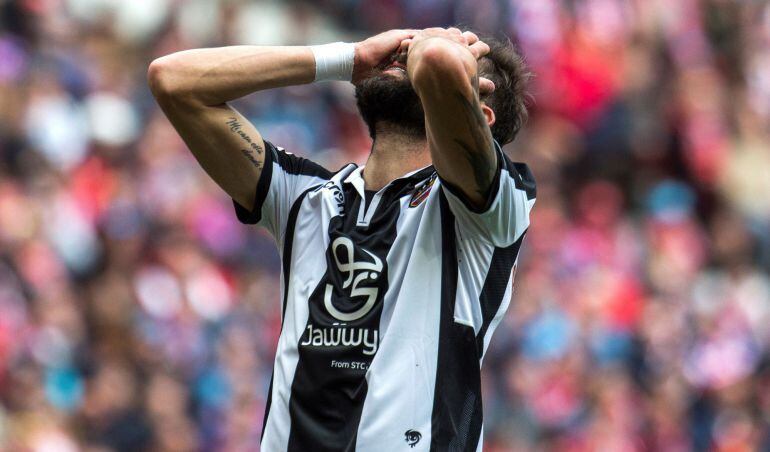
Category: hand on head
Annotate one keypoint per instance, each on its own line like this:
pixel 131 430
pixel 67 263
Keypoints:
pixel 379 49
pixel 372 52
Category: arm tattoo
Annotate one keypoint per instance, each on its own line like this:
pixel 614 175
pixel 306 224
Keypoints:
pixel 246 153
pixel 481 137
pixel 237 128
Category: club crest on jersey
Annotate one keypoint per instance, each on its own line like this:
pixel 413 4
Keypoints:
pixel 421 194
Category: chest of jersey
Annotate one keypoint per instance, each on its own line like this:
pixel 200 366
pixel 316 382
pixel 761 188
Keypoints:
pixel 343 248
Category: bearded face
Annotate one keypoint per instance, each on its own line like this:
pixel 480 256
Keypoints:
pixel 387 99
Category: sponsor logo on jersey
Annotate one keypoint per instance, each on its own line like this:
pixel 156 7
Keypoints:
pixel 342 335
pixel 359 275
pixel 345 299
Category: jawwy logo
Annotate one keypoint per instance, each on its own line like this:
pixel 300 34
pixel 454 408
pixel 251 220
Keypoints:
pixel 358 273
pixel 412 437
pixel 345 305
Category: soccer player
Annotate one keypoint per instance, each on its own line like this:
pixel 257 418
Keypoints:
pixel 395 274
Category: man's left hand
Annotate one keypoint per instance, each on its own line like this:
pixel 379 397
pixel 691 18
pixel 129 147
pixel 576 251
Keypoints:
pixel 467 40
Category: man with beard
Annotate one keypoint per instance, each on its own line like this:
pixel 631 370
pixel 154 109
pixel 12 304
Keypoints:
pixel 395 274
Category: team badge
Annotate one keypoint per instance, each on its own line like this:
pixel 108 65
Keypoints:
pixel 422 193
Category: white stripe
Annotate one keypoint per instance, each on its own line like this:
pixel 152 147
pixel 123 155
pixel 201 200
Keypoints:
pixel 283 190
pixel 370 208
pixel 474 259
pixel 402 376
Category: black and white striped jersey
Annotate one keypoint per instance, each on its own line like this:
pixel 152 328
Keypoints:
pixel 388 306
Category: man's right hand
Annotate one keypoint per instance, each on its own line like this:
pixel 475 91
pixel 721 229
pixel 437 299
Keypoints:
pixel 376 50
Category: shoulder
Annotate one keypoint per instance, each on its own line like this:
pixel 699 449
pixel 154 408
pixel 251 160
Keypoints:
pixel 294 164
pixel 520 173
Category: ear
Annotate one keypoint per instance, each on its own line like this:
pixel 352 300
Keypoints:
pixel 488 113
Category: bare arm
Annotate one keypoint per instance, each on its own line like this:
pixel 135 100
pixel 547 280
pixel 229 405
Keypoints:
pixel 442 65
pixel 193 87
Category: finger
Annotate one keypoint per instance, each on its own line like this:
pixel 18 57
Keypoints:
pixel 404 34
pixel 457 35
pixel 404 47
pixel 479 49
pixel 486 86
pixel 470 37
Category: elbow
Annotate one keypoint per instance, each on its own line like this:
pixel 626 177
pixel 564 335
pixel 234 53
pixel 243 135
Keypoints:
pixel 164 80
pixel 442 63
pixel 158 75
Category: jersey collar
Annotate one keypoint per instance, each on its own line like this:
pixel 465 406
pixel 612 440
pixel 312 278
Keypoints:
pixel 356 178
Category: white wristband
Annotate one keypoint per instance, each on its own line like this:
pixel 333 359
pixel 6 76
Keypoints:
pixel 334 61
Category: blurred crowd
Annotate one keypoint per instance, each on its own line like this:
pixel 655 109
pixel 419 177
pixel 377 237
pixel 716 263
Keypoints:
pixel 137 314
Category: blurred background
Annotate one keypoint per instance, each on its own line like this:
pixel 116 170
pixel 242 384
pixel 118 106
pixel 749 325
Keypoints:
pixel 137 314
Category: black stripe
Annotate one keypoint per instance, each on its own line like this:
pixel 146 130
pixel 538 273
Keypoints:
pixel 294 164
pixel 498 277
pixel 329 386
pixel 457 413
pixel 523 178
pixel 268 402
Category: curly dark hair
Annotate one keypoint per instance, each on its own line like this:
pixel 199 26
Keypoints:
pixel 505 67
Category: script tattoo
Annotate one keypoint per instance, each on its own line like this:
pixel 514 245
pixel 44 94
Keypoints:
pixel 481 137
pixel 237 128
pixel 251 158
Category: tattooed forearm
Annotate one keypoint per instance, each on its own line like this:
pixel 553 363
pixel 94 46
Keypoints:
pixel 477 149
pixel 236 128
pixel 483 170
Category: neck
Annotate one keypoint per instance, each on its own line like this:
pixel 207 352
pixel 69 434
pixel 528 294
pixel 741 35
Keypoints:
pixel 394 153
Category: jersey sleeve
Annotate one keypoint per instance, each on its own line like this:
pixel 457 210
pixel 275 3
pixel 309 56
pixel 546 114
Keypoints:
pixel 505 217
pixel 284 178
